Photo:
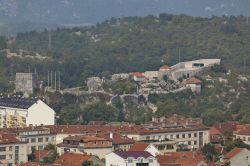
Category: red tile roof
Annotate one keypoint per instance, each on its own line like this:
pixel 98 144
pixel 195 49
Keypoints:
pixel 40 154
pixel 164 67
pixel 189 161
pixel 243 132
pixel 117 138
pixel 137 74
pixel 193 80
pixel 138 146
pixel 71 159
pixel 233 152
pixel 6 138
pixel 214 131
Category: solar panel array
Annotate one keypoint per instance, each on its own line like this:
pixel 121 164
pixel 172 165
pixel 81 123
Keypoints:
pixel 16 102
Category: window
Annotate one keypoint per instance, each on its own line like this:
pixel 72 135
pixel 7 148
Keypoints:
pixel 177 136
pixel 10 156
pixel 195 134
pixel 2 149
pixel 189 142
pixel 171 136
pixel 40 147
pixel 195 142
pixel 33 140
pixel 130 160
pixel 150 160
pixel 10 148
pixel 2 157
pixel 183 135
pixel 47 139
pixel 40 139
pixel 189 135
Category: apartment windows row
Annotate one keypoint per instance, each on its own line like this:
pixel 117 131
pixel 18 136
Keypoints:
pixel 6 157
pixel 174 136
pixel 4 149
pixel 40 139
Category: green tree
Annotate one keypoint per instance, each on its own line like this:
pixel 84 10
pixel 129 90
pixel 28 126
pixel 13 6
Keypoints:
pixel 209 152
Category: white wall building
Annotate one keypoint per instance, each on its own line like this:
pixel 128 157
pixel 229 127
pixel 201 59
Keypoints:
pixel 142 158
pixel 19 112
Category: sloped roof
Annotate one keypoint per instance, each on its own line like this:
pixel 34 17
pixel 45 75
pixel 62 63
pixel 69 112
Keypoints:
pixel 233 152
pixel 6 138
pixel 214 131
pixel 15 102
pixel 138 146
pixel 137 74
pixel 164 67
pixel 193 80
pixel 117 138
pixel 135 155
pixel 188 161
pixel 72 159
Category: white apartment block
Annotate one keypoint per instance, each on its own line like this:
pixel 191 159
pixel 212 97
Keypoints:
pixel 19 112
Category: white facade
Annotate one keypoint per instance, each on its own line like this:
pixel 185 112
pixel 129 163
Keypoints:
pixel 113 159
pixel 40 113
pixel 195 87
pixel 10 154
pixel 151 74
pixel 193 139
pixel 152 150
pixel 37 114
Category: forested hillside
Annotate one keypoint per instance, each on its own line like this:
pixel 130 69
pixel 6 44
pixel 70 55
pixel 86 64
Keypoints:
pixel 139 44
pixel 133 43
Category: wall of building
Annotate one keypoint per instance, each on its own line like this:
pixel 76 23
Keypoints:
pixel 241 159
pixel 40 113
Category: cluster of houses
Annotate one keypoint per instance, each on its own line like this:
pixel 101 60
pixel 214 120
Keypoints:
pixel 175 140
pixel 166 79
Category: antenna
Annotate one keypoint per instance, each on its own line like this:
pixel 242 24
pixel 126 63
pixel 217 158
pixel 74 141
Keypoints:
pixel 179 55
pixel 59 84
pixel 49 46
pixel 55 80
pixel 48 81
pixel 51 79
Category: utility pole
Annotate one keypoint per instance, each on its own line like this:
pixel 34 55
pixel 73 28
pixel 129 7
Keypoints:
pixel 51 79
pixel 49 45
pixel 59 84
pixel 48 81
pixel 55 80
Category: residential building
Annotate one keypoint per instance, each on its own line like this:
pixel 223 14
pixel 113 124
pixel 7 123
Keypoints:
pixel 37 138
pixel 72 159
pixel 85 144
pixel 236 157
pixel 142 146
pixel 243 133
pixel 20 112
pixel 143 158
pixel 26 83
pixel 120 77
pixel 190 158
pixel 12 150
pixel 119 142
pixel 194 84
pixel 151 75
pixel 138 76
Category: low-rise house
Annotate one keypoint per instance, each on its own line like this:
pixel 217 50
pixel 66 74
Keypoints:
pixel 12 150
pixel 85 145
pixel 72 159
pixel 243 133
pixel 194 84
pixel 37 137
pixel 236 157
pixel 151 75
pixel 20 112
pixel 128 158
pixel 182 159
pixel 215 135
pixel 120 142
pixel 120 76
pixel 142 146
pixel 138 76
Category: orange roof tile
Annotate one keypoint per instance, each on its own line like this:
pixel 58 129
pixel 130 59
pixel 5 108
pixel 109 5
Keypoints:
pixel 164 67
pixel 189 161
pixel 193 80
pixel 233 152
pixel 214 131
pixel 40 154
pixel 137 74
pixel 71 159
pixel 138 146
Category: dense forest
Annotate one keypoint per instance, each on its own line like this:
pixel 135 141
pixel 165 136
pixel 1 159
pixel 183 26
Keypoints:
pixel 138 44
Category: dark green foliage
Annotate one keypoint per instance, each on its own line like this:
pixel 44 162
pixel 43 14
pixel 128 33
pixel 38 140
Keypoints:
pixel 236 143
pixel 209 152
pixel 122 87
pixel 87 163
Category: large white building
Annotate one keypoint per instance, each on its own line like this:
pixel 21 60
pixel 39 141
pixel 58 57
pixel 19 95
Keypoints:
pixel 19 112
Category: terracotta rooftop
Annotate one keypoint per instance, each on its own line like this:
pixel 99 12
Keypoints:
pixel 233 152
pixel 71 159
pixel 138 146
pixel 137 74
pixel 193 80
pixel 40 154
pixel 214 131
pixel 117 138
pixel 164 67
pixel 6 138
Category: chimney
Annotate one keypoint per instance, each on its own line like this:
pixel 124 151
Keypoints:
pixel 111 135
